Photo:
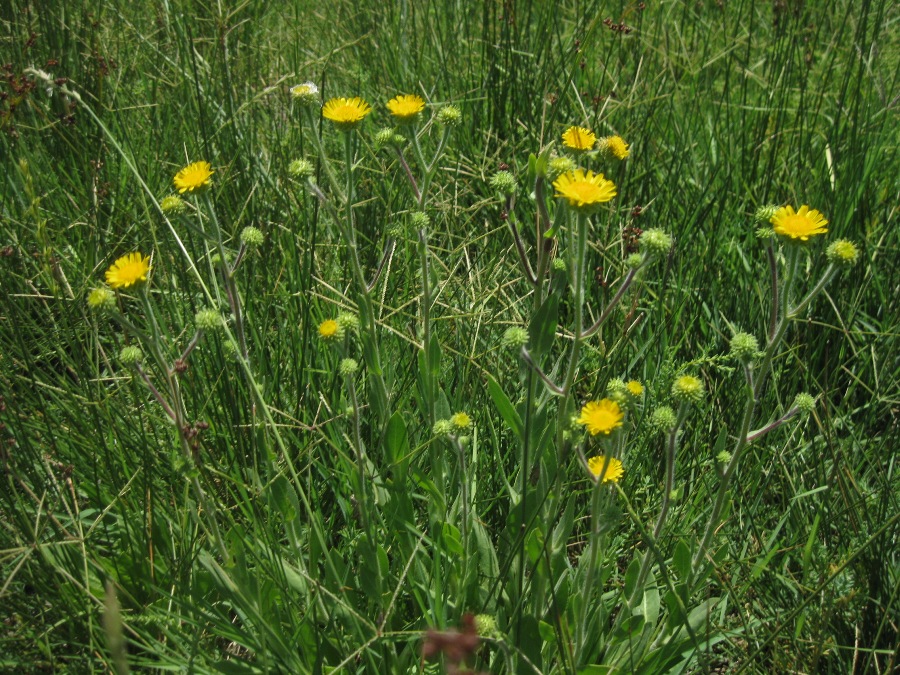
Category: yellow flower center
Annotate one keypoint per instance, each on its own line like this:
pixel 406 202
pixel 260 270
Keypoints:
pixel 406 106
pixel 801 225
pixel 328 329
pixel 128 270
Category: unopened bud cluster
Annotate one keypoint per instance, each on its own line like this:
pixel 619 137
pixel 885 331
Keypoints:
pixel 744 346
pixel 449 116
pixel 208 320
pixel 515 338
pixel 301 168
pixel 251 237
pixel 688 388
pixel 504 182
pixel 131 355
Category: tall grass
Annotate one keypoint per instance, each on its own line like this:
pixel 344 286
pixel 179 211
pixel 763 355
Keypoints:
pixel 727 107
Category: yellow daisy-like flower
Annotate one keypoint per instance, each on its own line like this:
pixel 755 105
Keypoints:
pixel 329 330
pixel 615 146
pixel 579 138
pixel 601 417
pixel 801 225
pixel 613 471
pixel 461 421
pixel 193 177
pixel 635 388
pixel 346 113
pixel 584 191
pixel 128 270
pixel 406 107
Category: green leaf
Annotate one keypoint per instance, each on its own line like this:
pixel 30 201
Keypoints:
pixel 534 545
pixel 681 559
pixel 504 407
pixel 631 576
pixel 434 355
pixel 547 632
pixel 396 439
pixel 451 540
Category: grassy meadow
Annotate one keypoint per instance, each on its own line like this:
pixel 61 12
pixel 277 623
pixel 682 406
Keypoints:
pixel 409 391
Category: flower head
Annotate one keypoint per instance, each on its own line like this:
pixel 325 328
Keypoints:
pixel 801 225
pixel 688 388
pixel 515 337
pixel 584 191
pixel 764 213
pixel 579 138
pixel 301 168
pixel 615 146
pixel 558 166
pixel 663 419
pixel 306 93
pixel 744 346
pixel 406 107
pixel 209 320
pixel 842 253
pixel 504 182
pixel 612 465
pixel 348 367
pixel 655 241
pixel 442 428
pixel 346 113
pixel 601 417
pixel 330 330
pixel 635 388
pixel 131 355
pixel 193 177
pixel 805 403
pixel 461 421
pixel 128 270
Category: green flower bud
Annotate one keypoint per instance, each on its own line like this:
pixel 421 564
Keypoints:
pixel 449 116
pixel 347 321
pixel 348 367
pixel 230 350
pixel 515 338
pixel 804 403
pixel 842 253
pixel 486 626
pixel 172 204
pixel 443 428
pixel 301 168
pixel 688 388
pixel 384 137
pixel 723 457
pixel 655 241
pixel 419 220
pixel 744 346
pixel 559 265
pixel 663 419
pixel 764 213
pixel 209 320
pixel 251 237
pixel 616 386
pixel 634 261
pixel 131 355
pixel 101 299
pixel 557 166
pixel 504 182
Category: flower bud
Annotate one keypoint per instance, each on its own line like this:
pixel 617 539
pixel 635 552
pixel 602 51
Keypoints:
pixel 384 137
pixel 688 388
pixel 634 261
pixel 515 338
pixel 804 403
pixel 557 166
pixel 744 346
pixel 443 428
pixel 613 146
pixel 172 204
pixel 301 168
pixel 449 116
pixel 723 457
pixel 655 241
pixel 419 220
pixel 330 330
pixel 348 367
pixel 559 265
pixel 101 299
pixel 635 388
pixel 663 419
pixel 486 626
pixel 764 213
pixel 208 320
pixel 251 237
pixel 348 321
pixel 842 253
pixel 131 355
pixel 504 182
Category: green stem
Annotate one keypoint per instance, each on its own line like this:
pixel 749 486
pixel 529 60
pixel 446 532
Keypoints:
pixel 426 325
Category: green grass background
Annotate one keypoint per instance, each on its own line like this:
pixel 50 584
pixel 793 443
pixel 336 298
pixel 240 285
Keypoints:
pixel 727 106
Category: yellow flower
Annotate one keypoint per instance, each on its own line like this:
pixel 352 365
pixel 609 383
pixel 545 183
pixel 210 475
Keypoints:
pixel 635 388
pixel 461 421
pixel 601 417
pixel 584 191
pixel 579 138
pixel 128 270
pixel 406 107
pixel 613 471
pixel 346 113
pixel 801 225
pixel 193 177
pixel 615 145
pixel 329 330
